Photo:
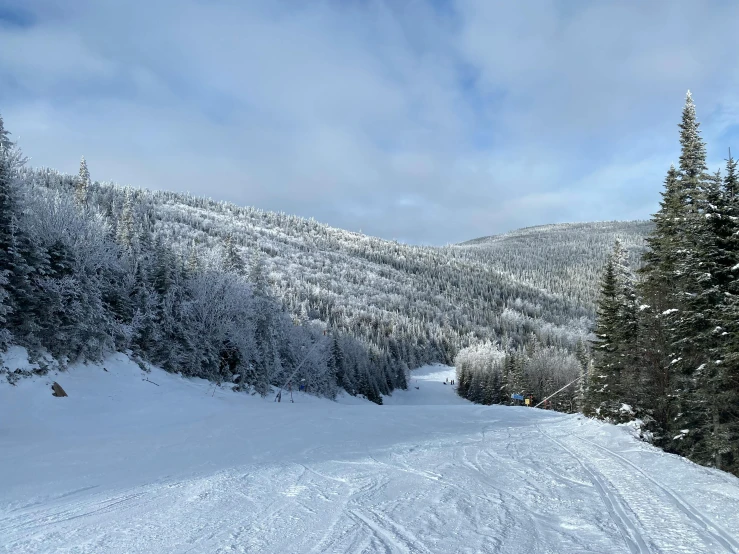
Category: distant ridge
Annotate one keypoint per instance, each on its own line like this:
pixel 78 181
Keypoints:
pixel 564 259
pixel 640 227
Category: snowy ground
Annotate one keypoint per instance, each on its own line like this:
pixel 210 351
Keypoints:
pixel 123 465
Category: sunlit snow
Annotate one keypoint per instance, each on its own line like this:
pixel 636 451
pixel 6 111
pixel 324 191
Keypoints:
pixel 169 465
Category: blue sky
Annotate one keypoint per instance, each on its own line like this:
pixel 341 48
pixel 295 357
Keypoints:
pixel 425 121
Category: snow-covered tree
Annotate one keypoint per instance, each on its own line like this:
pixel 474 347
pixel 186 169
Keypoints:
pixel 5 142
pixel 614 380
pixel 232 260
pixel 83 183
pixel 127 225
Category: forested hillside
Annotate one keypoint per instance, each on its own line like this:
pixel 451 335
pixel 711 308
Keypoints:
pixel 163 260
pixel 86 269
pixel 566 259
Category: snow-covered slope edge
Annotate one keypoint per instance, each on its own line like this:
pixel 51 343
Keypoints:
pixel 169 464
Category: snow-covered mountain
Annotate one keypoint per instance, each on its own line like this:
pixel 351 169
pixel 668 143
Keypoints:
pixel 164 264
pixel 564 259
pixel 394 306
pixel 501 288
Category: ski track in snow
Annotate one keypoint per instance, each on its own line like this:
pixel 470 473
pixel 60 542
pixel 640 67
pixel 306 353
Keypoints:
pixel 615 506
pixel 716 531
pixel 173 469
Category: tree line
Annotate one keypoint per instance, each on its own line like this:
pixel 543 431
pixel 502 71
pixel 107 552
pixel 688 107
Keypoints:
pixel 666 347
pixel 489 374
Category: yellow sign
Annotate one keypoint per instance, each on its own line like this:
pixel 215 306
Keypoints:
pixel 527 401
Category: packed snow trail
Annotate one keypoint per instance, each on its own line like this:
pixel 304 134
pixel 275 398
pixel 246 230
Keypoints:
pixel 122 465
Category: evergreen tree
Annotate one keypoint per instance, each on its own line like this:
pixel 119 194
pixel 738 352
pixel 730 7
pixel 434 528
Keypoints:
pixel 724 440
pixel 401 379
pixel 163 268
pixel 337 364
pixel 685 343
pixel 257 274
pixel 57 313
pixel 463 379
pixel 82 184
pixel 660 273
pixel 5 142
pixel 674 288
pixel 147 314
pixel 491 388
pixel 15 249
pixel 724 385
pixel 731 181
pixel 630 382
pixel 5 334
pixel 476 393
pixel 660 261
pixel 496 385
pixel 513 379
pixel 705 404
pixel 516 374
pixel 606 391
pixel 267 359
pixel 653 348
pixel 126 234
pixel 692 154
pixel 694 186
pixel 7 215
pixel 699 287
pixel 193 261
pixel 232 260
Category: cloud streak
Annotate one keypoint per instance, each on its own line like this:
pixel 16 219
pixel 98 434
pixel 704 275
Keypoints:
pixel 427 122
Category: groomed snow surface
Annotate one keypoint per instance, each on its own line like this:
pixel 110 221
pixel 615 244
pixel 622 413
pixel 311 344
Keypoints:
pixel 126 465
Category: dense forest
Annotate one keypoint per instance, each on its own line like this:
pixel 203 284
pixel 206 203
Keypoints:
pixel 87 269
pixel 566 259
pixel 666 349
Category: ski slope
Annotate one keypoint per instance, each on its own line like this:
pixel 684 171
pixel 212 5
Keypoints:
pixel 171 465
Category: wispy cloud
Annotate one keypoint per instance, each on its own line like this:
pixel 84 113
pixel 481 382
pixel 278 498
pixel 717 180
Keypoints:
pixel 424 121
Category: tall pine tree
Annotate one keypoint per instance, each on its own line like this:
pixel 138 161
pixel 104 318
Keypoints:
pixel 82 184
pixel 697 288
pixel 126 229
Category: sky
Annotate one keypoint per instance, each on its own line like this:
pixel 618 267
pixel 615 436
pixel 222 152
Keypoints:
pixel 423 121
